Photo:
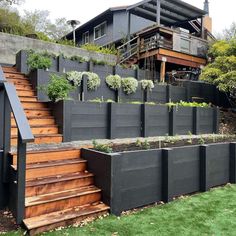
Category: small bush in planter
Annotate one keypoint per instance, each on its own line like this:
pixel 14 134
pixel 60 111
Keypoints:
pixel 113 81
pixel 147 84
pixel 58 88
pixel 129 85
pixel 38 61
pixel 93 80
pixel 74 77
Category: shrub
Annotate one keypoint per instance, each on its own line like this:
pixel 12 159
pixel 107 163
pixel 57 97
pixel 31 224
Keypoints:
pixel 101 147
pixel 100 49
pixel 187 104
pixel 147 84
pixel 75 77
pixel 113 81
pixel 58 88
pixel 93 80
pixel 38 61
pixel 129 85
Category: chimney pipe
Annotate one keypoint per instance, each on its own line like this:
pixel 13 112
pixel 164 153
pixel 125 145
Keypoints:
pixel 206 7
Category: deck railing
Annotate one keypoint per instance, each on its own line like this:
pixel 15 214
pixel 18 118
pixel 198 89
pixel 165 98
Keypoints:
pixel 10 103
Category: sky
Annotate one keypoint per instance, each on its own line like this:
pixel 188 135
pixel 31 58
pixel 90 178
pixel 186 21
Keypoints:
pixel 222 12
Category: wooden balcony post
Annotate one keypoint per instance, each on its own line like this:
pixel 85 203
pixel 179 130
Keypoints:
pixel 163 71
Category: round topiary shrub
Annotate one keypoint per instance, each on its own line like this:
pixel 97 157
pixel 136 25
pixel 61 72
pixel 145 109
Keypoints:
pixel 113 81
pixel 147 84
pixel 129 85
pixel 74 77
pixel 93 80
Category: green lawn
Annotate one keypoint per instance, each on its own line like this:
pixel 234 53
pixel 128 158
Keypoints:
pixel 210 213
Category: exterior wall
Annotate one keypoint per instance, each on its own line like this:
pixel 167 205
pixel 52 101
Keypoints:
pixel 11 44
pixel 197 45
pixel 120 24
pixel 117 28
pixel 101 41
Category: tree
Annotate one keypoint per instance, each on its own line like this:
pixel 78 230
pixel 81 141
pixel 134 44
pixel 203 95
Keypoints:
pixel 230 32
pixel 39 21
pixel 222 70
pixel 12 1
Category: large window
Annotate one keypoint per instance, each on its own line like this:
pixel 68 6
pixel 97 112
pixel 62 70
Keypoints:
pixel 86 37
pixel 100 30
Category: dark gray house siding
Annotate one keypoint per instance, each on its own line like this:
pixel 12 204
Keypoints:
pixel 120 24
pixel 117 27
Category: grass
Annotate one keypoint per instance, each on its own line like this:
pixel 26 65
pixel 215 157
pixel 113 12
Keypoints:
pixel 210 213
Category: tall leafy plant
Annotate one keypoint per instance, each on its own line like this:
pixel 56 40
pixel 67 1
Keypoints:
pixel 38 61
pixel 58 88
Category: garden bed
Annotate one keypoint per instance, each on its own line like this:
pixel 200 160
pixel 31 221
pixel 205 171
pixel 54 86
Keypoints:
pixel 170 142
pixel 136 178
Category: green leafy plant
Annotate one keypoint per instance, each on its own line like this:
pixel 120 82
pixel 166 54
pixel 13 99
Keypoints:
pixel 101 147
pixel 187 104
pixel 113 81
pixel 201 141
pixel 58 88
pixel 129 85
pixel 138 143
pixel 144 145
pixel 100 49
pixel 147 84
pixel 38 61
pixel 75 77
pixel 78 59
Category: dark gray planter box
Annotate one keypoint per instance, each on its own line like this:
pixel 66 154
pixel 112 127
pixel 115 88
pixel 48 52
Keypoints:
pixel 137 178
pixel 125 72
pixel 65 65
pixel 181 169
pixel 127 180
pixel 40 78
pixel 102 70
pixel 181 120
pixel 177 93
pixel 158 94
pixel 21 62
pixel 81 120
pixel 216 164
pixel 103 91
pixel 137 96
pixel 126 120
pixel 155 120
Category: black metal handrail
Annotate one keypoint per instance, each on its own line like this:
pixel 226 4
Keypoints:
pixel 9 102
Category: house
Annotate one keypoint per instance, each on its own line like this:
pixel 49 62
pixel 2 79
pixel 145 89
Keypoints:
pixel 159 35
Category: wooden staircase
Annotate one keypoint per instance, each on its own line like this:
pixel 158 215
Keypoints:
pixel 59 190
pixel 39 115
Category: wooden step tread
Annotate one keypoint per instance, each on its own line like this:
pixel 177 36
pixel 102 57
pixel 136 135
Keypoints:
pixel 59 216
pixel 39 126
pixel 58 150
pixel 53 163
pixel 62 195
pixel 56 179
pixel 13 75
pixel 41 136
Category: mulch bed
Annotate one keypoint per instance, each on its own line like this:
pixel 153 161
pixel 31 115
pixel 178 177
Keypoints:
pixel 170 142
pixel 7 222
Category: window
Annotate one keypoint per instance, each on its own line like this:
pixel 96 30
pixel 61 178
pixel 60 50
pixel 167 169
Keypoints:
pixel 100 30
pixel 86 37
